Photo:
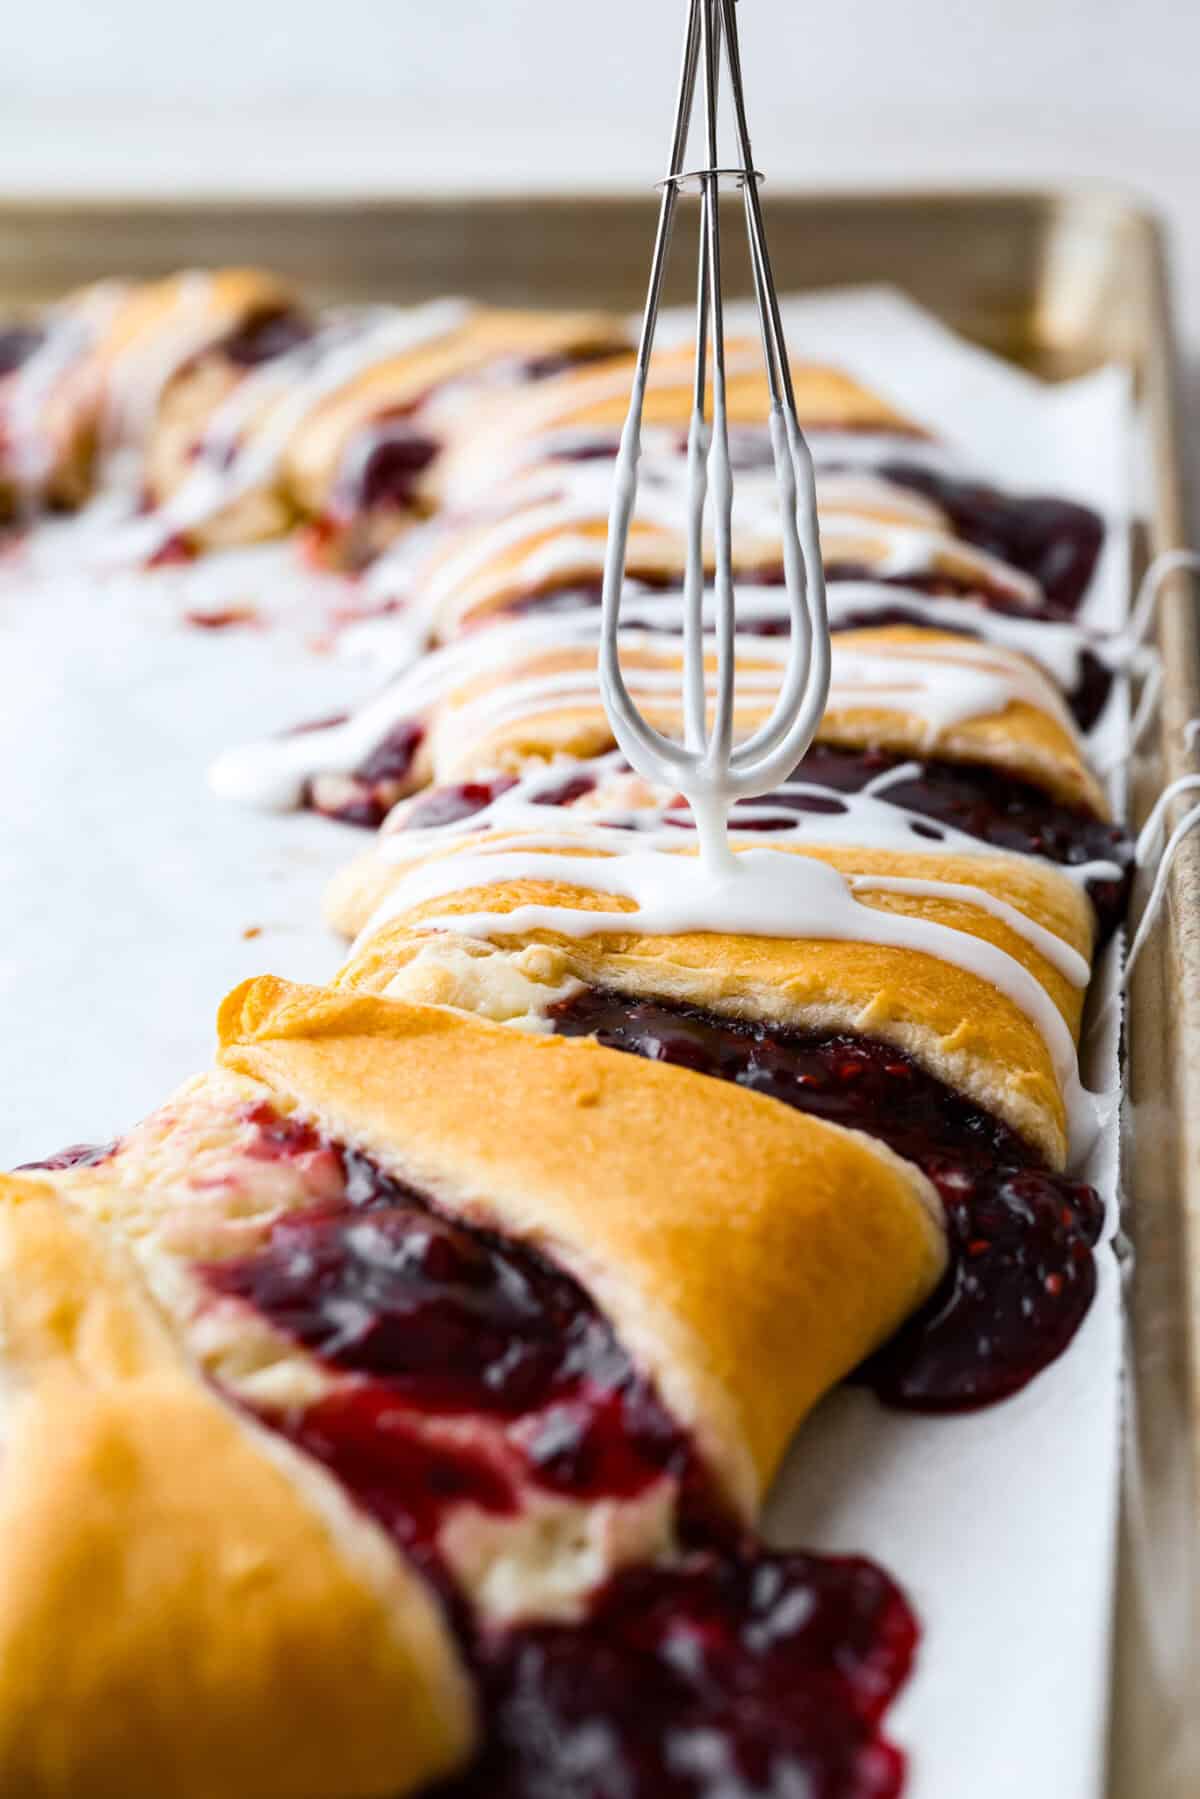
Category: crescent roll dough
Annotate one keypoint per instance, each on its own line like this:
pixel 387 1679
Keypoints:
pixel 489 336
pixel 832 1241
pixel 100 362
pixel 313 454
pixel 234 1622
pixel 591 404
pixel 544 534
pixel 505 700
pixel 959 1025
pixel 539 704
pixel 187 1607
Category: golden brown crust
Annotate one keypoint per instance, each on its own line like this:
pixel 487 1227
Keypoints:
pixel 50 460
pixel 507 567
pixel 596 399
pixel 186 1607
pixel 131 334
pixel 957 1023
pixel 316 453
pixel 747 1256
pixel 179 318
pixel 474 729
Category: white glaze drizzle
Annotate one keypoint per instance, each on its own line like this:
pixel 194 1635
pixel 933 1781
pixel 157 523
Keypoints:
pixel 764 893
pixel 511 454
pixel 864 821
pixel 392 642
pixel 943 686
pixel 232 463
pixel 942 692
pixel 69 333
pixel 141 371
pixel 602 818
pixel 552 502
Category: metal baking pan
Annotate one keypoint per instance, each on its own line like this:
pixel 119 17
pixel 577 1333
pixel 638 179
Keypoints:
pixel 1062 281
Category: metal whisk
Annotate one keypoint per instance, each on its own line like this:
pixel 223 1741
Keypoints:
pixel 707 767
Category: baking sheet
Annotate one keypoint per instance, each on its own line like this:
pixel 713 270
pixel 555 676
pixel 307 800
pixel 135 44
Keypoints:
pixel 128 891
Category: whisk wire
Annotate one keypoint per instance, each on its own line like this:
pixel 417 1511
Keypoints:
pixel 720 484
pixel 718 771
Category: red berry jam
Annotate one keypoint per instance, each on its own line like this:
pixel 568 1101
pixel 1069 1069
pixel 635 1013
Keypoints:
pixel 386 477
pixel 1055 541
pixel 451 1319
pixel 732 1671
pixel 450 805
pixel 1021 1274
pixel 736 1676
pixel 520 369
pixel 566 792
pixel 990 804
pixel 367 794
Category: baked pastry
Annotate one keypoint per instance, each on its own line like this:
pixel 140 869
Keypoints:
pixel 85 380
pixel 424 1365
pixel 363 465
pixel 927 998
pixel 340 428
pixel 538 543
pixel 903 502
pixel 187 1607
pixel 47 442
pixel 578 414
pixel 514 695
pixel 477 1413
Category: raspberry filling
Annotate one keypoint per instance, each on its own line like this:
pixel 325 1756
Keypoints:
pixel 386 477
pixel 730 1670
pixel 1055 541
pixel 745 1676
pixel 979 801
pixel 367 794
pixel 988 803
pixel 442 1318
pixel 450 805
pixel 1021 1274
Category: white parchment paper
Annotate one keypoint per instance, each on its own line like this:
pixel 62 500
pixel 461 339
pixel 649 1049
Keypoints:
pixel 127 892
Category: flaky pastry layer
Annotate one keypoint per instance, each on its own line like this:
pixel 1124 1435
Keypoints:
pixel 186 1605
pixel 489 335
pixel 748 1257
pixel 537 704
pixel 584 401
pixel 956 1023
